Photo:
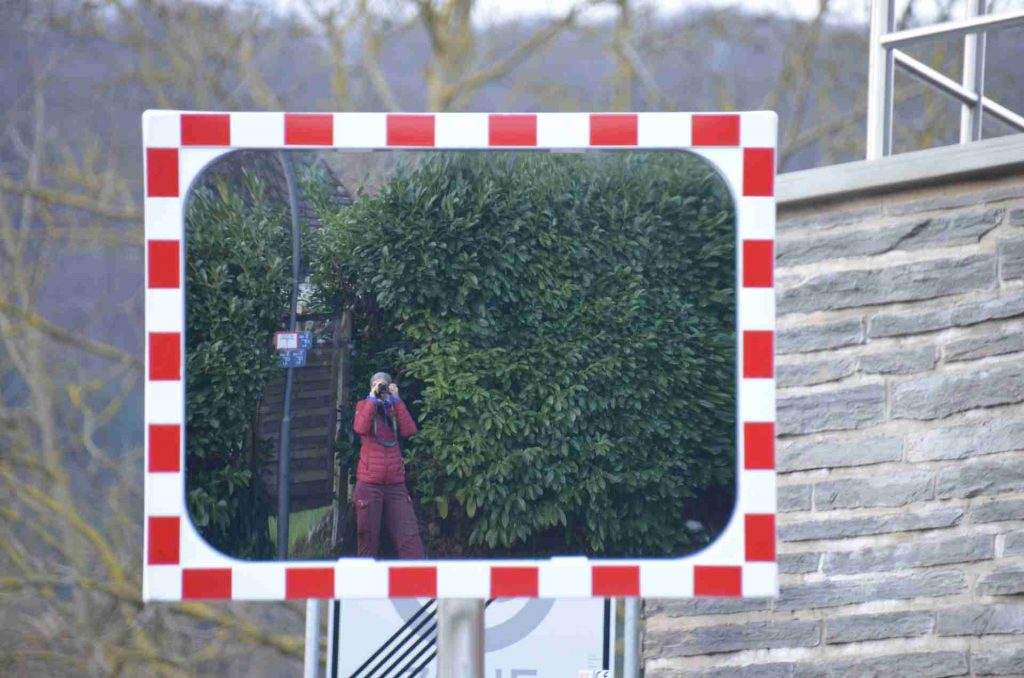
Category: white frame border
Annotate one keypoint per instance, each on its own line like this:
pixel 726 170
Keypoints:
pixel 179 565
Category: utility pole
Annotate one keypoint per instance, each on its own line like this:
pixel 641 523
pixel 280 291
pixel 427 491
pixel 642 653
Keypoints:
pixel 283 457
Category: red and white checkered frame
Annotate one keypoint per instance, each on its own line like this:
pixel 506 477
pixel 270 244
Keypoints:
pixel 179 564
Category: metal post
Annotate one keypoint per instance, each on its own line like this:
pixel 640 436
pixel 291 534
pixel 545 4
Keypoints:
pixel 283 485
pixel 311 667
pixel 880 81
pixel 460 638
pixel 630 639
pixel 331 659
pixel 971 115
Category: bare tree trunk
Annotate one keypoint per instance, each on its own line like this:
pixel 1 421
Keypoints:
pixel 622 46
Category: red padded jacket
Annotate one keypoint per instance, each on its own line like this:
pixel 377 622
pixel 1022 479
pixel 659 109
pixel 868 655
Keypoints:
pixel 377 463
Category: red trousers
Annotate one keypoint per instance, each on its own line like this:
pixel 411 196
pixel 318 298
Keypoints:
pixel 393 503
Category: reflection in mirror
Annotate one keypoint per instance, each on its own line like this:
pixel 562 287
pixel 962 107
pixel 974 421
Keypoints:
pixel 497 355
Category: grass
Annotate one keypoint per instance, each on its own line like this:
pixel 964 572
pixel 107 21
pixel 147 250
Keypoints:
pixel 299 525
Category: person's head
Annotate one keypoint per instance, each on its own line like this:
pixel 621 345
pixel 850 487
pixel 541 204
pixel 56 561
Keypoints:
pixel 379 378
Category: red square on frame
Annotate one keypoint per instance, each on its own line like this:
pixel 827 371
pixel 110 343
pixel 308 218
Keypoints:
pixel 716 130
pixel 758 263
pixel 711 580
pixel 309 582
pixel 412 582
pixel 164 540
pixel 759 445
pixel 514 582
pixel 164 448
pixel 758 354
pixel 615 580
pixel 512 130
pixel 410 130
pixel 163 264
pixel 161 173
pixel 613 129
pixel 205 129
pixel 164 356
pixel 308 129
pixel 759 171
pixel 206 583
pixel 760 537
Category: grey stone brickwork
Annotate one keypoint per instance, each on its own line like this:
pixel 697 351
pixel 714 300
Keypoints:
pixel 900 449
pixel 821 337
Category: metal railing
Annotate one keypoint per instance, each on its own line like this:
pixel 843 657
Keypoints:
pixel 885 56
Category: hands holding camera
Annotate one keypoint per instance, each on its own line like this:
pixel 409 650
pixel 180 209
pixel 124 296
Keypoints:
pixel 381 389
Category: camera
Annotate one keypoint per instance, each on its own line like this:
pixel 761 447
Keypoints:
pixel 381 390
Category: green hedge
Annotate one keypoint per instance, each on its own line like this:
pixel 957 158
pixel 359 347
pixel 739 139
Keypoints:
pixel 564 327
pixel 238 286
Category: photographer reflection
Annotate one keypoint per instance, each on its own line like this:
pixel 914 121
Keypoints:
pixel 380 493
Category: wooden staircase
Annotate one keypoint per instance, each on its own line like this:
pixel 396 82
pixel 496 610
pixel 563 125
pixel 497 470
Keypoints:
pixel 314 394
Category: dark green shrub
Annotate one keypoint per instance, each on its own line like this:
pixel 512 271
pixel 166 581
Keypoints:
pixel 564 326
pixel 238 285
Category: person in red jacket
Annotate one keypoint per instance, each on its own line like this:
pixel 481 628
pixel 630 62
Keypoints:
pixel 380 494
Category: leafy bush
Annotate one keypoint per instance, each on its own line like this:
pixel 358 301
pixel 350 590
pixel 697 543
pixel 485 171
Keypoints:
pixel 565 325
pixel 238 286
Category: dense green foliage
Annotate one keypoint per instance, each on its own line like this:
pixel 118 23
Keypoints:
pixel 567 325
pixel 238 283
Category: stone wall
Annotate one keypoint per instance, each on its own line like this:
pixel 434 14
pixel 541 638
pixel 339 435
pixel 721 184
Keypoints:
pixel 900 369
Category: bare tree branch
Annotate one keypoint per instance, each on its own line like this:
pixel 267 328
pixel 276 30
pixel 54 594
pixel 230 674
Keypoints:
pixel 61 198
pixel 524 49
pixel 57 333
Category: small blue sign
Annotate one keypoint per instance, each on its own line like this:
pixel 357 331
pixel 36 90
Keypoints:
pixel 294 357
pixel 306 340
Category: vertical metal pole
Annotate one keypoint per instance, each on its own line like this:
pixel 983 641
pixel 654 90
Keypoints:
pixel 283 480
pixel 630 639
pixel 311 667
pixel 880 81
pixel 972 115
pixel 331 660
pixel 460 638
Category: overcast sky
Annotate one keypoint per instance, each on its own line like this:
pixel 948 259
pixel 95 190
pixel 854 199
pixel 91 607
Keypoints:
pixel 844 11
pixel 801 8
pixel 491 10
